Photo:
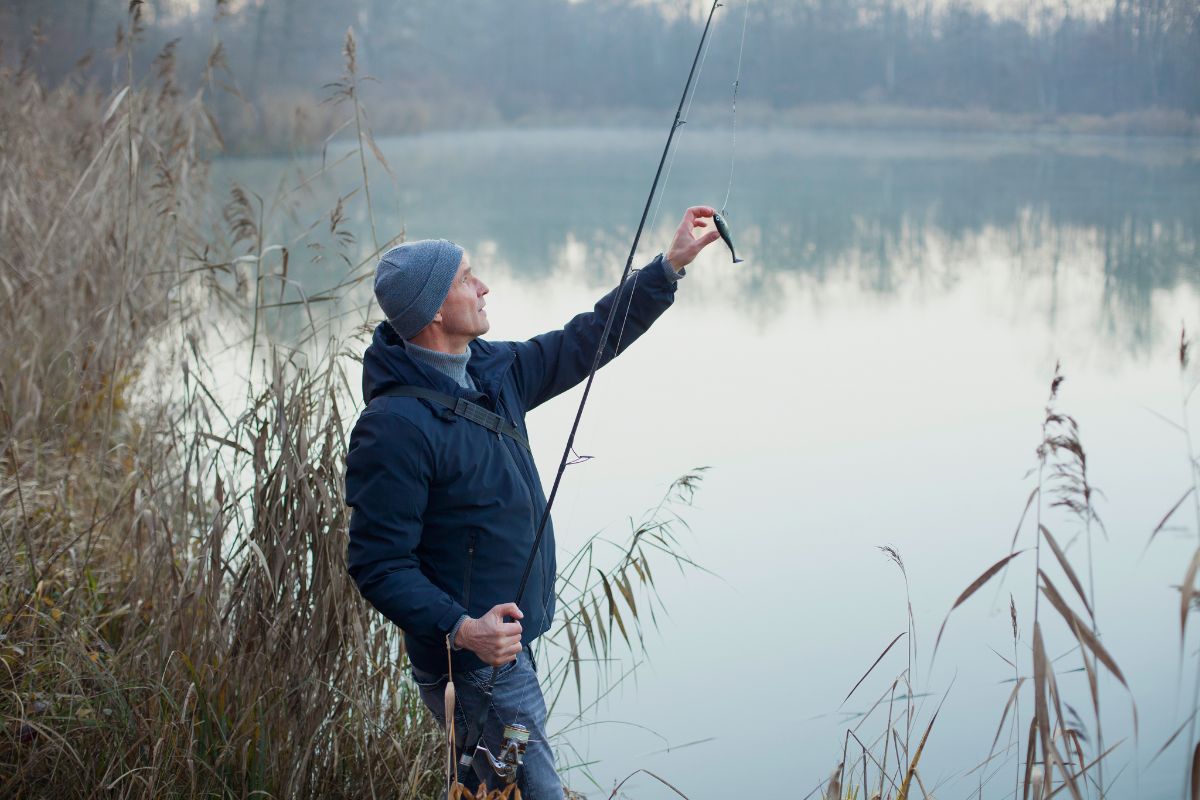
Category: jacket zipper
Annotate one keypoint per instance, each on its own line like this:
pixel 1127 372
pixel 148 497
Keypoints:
pixel 528 479
pixel 467 577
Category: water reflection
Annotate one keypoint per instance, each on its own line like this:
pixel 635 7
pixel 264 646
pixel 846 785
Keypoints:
pixel 882 212
pixel 908 297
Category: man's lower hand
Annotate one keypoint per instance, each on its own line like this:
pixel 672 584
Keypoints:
pixel 495 641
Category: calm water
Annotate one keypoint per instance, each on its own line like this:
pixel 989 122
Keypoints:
pixel 875 374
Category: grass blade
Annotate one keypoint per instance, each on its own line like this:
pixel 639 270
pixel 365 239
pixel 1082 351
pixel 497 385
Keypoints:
pixel 1186 591
pixel 912 767
pixel 1031 744
pixel 613 610
pixel 1066 566
pixel 1195 782
pixel 1024 512
pixel 872 667
pixel 1012 699
pixel 970 590
pixel 1172 737
pixel 1086 637
pixel 1162 522
pixel 1091 764
pixel 1040 706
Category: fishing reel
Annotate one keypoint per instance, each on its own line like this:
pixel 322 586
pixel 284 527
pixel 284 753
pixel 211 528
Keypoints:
pixel 512 754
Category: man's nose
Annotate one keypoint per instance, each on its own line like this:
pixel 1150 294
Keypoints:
pixel 483 288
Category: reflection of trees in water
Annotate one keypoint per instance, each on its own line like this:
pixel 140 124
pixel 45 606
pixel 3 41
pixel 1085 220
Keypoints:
pixel 551 201
pixel 876 222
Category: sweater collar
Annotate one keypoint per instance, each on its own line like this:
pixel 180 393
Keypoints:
pixel 387 363
pixel 452 365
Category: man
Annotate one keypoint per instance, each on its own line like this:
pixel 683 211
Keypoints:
pixel 445 509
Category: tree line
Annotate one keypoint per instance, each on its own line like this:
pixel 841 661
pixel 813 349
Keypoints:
pixel 458 62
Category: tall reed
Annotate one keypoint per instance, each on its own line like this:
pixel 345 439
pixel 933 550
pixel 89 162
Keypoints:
pixel 176 614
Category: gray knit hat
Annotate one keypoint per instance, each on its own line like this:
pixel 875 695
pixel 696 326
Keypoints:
pixel 412 281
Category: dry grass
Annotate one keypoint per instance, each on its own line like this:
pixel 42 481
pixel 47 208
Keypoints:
pixel 1059 754
pixel 175 614
pixel 176 618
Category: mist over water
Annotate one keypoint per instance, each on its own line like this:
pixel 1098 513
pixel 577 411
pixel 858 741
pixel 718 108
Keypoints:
pixel 874 374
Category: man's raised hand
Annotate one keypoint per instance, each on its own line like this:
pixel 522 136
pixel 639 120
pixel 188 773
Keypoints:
pixel 686 245
pixel 495 641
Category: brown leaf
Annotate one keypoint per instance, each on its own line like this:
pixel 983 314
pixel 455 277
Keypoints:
pixel 1021 521
pixel 379 153
pixel 1086 637
pixel 970 590
pixel 1066 565
pixel 1162 522
pixel 1172 737
pixel 1069 780
pixel 626 588
pixel 574 654
pixel 1041 708
pixel 912 767
pixel 1091 764
pixel 587 627
pixel 834 788
pixel 1196 773
pixel 1186 591
pixel 613 611
pixel 1030 748
pixel 872 667
pixel 1012 698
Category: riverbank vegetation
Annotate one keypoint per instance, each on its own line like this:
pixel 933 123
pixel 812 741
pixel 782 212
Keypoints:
pixel 176 618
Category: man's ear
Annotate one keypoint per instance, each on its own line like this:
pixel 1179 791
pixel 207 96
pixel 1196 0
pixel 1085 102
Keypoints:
pixel 437 317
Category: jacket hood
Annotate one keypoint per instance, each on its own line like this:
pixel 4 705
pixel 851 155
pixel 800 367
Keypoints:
pixel 387 364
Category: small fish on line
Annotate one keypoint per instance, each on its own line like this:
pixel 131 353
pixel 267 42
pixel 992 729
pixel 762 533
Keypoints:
pixel 723 229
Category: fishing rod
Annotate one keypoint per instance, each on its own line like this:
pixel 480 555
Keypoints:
pixel 475 731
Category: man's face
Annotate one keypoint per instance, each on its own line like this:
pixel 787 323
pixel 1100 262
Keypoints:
pixel 462 315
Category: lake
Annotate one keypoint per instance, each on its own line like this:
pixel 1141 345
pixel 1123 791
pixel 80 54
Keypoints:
pixel 875 374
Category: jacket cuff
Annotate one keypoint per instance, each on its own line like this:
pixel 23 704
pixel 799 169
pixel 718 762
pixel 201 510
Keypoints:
pixel 453 634
pixel 669 271
pixel 452 618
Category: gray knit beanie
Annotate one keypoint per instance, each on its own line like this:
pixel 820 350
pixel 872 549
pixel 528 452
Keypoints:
pixel 412 281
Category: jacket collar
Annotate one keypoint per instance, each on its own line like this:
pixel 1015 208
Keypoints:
pixel 386 363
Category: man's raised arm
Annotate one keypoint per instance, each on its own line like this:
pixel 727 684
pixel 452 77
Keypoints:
pixel 552 363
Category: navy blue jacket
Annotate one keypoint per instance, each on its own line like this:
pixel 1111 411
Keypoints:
pixel 444 510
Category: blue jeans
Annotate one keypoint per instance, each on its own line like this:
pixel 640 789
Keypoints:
pixel 516 697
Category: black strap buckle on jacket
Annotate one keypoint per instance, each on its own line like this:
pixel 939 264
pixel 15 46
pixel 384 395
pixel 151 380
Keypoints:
pixel 473 412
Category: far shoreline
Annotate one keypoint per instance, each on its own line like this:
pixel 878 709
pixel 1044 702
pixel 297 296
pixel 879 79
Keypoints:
pixel 1084 140
pixel 1147 125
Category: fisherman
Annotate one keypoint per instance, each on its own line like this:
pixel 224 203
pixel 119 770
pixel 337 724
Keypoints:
pixel 446 497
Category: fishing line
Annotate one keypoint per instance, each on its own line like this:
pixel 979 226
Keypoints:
pixel 737 80
pixel 474 736
pixel 675 151
pixel 666 179
pixel 608 322
pixel 573 458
